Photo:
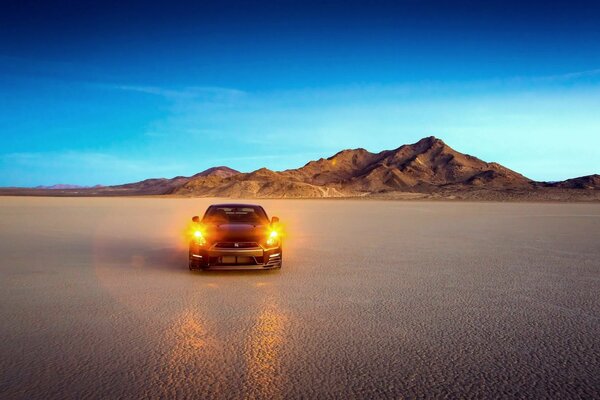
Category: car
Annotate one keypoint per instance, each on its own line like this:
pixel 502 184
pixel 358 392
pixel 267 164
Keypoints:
pixel 235 237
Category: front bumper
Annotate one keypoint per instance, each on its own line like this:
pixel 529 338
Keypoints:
pixel 235 259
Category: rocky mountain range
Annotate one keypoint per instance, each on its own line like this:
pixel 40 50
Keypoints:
pixel 426 169
pixel 422 167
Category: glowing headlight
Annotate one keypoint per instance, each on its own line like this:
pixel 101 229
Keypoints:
pixel 273 238
pixel 199 238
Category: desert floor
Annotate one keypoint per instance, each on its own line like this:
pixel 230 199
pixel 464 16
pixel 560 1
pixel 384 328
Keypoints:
pixel 375 300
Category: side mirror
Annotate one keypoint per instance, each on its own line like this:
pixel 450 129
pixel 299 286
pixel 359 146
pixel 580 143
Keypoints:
pixel 274 220
pixel 195 219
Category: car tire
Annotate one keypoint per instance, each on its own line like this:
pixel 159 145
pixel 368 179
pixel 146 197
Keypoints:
pixel 193 266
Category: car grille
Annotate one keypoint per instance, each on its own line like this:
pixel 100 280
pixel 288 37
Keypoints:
pixel 236 260
pixel 237 245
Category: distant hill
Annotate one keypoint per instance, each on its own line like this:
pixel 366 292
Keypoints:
pixel 60 186
pixel 428 168
pixel 168 186
pixel 583 182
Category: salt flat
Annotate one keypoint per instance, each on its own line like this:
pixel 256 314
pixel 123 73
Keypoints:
pixel 375 299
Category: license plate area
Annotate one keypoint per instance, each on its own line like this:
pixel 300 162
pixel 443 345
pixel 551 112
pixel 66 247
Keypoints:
pixel 233 260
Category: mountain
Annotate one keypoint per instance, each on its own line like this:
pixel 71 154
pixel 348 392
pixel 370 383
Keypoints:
pixel 260 183
pixel 428 168
pixel 222 172
pixel 168 186
pixel 60 186
pixel 583 182
pixel 425 166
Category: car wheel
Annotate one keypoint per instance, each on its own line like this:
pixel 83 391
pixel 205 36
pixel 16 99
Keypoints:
pixel 193 266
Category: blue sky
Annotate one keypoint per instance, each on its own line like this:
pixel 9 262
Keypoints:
pixel 125 91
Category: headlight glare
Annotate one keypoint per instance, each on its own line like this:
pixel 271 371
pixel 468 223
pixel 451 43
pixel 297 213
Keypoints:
pixel 273 238
pixel 199 238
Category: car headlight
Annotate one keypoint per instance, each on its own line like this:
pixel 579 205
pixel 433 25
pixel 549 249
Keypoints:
pixel 273 238
pixel 199 238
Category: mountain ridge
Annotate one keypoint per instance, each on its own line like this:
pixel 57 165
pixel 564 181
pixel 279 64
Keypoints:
pixel 428 168
pixel 420 167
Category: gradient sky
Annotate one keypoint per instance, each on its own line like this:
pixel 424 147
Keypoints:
pixel 122 91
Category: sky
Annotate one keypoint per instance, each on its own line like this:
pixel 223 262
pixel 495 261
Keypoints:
pixel 114 92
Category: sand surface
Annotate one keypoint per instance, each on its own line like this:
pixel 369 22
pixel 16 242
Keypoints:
pixel 375 300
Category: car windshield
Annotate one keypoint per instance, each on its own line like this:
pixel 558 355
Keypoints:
pixel 228 214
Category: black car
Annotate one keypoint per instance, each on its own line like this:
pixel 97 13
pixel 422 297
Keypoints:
pixel 235 236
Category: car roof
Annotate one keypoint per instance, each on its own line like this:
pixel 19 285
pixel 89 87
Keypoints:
pixel 234 205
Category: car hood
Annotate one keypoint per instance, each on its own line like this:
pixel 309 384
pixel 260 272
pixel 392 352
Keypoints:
pixel 238 232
